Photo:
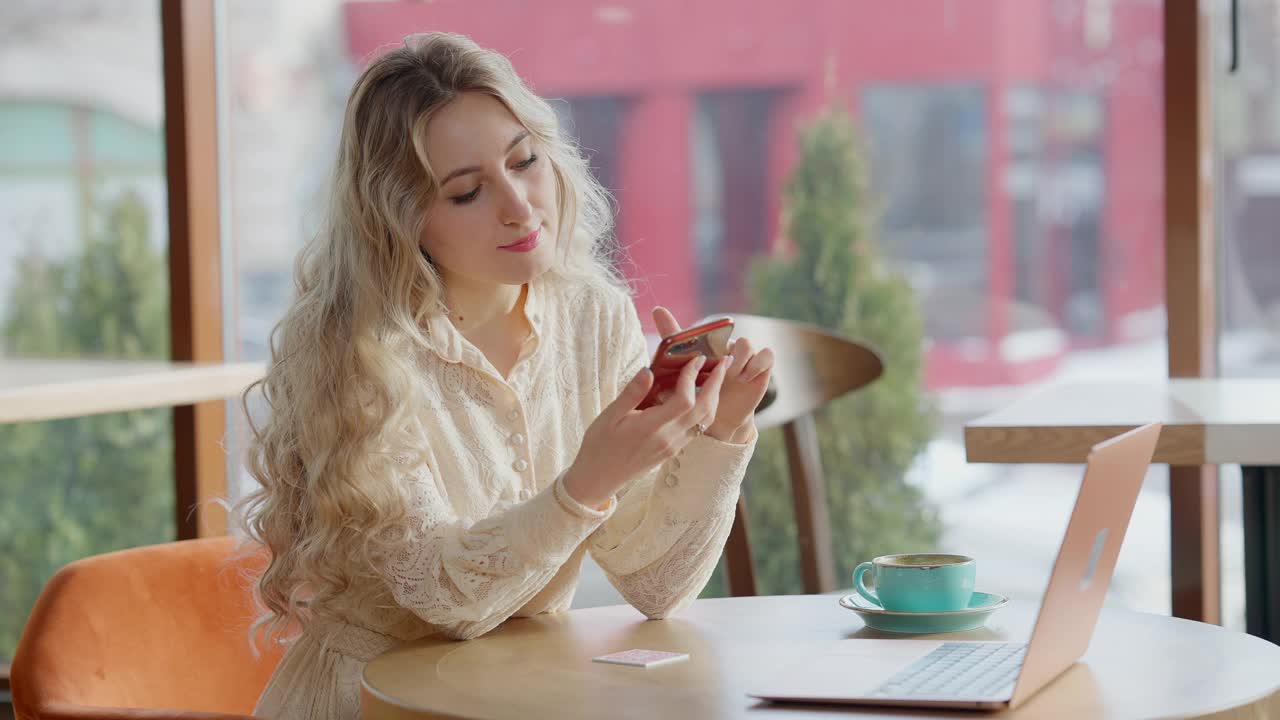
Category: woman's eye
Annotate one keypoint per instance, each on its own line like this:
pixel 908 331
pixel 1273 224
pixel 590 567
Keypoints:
pixel 464 199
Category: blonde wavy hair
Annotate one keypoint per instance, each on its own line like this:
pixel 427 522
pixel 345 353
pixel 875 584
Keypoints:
pixel 340 382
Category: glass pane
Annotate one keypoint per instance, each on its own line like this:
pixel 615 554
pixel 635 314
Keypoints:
pixel 1246 140
pixel 83 241
pixel 990 190
pixel 1247 152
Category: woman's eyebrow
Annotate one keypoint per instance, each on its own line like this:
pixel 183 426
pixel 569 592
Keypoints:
pixel 474 168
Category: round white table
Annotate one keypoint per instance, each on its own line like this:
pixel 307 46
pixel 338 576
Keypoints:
pixel 1138 665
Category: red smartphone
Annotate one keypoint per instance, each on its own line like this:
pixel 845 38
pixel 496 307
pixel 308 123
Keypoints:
pixel 710 339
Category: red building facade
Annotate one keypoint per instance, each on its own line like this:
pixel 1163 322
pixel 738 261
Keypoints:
pixel 1048 118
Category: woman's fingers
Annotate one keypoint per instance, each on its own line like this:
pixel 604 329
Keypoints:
pixel 688 404
pixel 665 321
pixel 760 364
pixel 631 395
pixel 709 394
pixel 742 350
pixel 682 397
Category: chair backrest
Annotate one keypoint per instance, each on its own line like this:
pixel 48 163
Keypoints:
pixel 812 367
pixel 162 626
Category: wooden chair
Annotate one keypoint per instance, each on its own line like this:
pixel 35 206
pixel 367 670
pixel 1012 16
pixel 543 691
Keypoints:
pixel 812 367
pixel 157 632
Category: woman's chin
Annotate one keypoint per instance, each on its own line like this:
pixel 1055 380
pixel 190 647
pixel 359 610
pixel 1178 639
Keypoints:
pixel 528 266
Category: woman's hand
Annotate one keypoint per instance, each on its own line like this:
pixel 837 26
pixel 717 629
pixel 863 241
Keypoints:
pixel 743 386
pixel 623 443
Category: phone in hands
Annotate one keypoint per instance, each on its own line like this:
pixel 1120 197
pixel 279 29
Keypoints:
pixel 710 339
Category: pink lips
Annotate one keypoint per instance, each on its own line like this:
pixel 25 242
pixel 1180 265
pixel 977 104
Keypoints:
pixel 524 244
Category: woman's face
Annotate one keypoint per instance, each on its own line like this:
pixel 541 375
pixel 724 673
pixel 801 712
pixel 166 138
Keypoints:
pixel 494 217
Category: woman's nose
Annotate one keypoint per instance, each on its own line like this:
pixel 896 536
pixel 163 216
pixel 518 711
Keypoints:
pixel 515 208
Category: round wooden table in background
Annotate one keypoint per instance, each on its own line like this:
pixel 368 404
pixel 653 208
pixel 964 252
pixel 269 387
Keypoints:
pixel 1138 665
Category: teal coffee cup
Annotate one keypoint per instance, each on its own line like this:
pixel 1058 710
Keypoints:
pixel 918 582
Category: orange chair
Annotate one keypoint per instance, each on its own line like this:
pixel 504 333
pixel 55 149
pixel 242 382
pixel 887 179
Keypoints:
pixel 131 634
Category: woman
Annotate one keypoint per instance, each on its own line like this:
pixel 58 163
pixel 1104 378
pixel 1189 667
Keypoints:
pixel 454 392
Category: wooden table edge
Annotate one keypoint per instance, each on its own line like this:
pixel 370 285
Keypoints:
pixel 989 442
pixel 180 384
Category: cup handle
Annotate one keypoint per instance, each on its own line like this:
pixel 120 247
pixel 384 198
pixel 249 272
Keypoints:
pixel 870 596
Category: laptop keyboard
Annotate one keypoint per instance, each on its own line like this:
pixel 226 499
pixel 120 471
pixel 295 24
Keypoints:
pixel 959 670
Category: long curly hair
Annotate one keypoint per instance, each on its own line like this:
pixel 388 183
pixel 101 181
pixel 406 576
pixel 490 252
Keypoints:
pixel 339 386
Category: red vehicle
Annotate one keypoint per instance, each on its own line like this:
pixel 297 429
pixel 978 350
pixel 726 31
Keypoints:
pixel 1014 148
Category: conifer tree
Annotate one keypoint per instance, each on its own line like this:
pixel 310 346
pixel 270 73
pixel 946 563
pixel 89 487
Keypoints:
pixel 832 275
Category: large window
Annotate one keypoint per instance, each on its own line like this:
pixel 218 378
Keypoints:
pixel 922 140
pixel 1246 145
pixel 83 241
pixel 1247 151
pixel 1010 154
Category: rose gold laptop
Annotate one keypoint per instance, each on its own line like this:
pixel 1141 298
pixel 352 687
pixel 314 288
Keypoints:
pixel 997 675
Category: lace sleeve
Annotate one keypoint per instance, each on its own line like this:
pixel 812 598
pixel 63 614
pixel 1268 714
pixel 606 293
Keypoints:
pixel 664 539
pixel 465 579
pixel 663 542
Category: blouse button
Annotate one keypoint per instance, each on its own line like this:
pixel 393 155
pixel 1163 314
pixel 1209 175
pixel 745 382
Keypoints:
pixel 672 480
pixel 517 439
pixel 513 414
pixel 525 494
pixel 520 465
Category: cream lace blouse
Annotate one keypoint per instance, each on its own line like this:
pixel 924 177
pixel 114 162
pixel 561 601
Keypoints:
pixel 498 536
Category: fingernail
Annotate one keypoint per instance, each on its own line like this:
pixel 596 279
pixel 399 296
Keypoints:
pixel 728 360
pixel 700 360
